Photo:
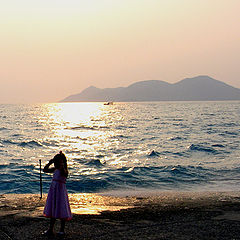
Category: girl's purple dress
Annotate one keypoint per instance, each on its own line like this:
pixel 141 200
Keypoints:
pixel 57 204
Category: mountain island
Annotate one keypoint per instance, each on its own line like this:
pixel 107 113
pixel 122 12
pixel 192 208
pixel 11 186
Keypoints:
pixel 200 88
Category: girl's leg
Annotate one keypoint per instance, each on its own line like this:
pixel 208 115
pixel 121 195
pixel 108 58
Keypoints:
pixel 49 232
pixel 62 225
pixel 52 223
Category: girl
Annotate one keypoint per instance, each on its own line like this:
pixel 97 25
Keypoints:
pixel 57 204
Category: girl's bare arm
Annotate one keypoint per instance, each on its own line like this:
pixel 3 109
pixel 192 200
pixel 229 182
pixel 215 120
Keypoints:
pixel 46 169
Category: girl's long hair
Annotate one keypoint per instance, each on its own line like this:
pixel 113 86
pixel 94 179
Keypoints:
pixel 57 158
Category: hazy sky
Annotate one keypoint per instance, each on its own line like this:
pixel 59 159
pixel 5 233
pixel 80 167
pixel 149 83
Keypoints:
pixel 50 49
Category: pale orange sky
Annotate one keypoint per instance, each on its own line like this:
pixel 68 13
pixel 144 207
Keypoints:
pixel 50 49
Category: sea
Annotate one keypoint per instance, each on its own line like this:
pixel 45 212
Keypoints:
pixel 124 147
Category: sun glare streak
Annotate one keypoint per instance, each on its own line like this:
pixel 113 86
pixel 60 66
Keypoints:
pixel 79 128
pixel 74 112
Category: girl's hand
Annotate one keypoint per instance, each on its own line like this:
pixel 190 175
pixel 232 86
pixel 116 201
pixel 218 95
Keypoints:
pixel 47 169
pixel 51 161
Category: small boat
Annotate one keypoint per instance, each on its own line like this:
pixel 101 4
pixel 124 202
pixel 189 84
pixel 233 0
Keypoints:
pixel 108 103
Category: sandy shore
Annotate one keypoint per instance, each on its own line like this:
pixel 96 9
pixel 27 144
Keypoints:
pixel 165 215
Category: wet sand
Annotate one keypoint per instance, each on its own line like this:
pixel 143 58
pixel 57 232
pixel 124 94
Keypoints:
pixel 163 215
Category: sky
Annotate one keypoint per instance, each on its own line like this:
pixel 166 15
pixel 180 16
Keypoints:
pixel 50 49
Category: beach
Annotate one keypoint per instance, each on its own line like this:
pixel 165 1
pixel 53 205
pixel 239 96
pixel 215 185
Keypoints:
pixel 163 215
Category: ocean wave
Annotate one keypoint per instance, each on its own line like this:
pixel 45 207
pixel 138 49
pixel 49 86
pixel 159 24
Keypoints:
pixel 88 185
pixel 177 138
pixel 122 127
pixel 228 133
pixel 82 138
pixel 177 120
pixel 96 162
pixel 18 179
pixel 72 151
pixel 82 128
pixel 208 114
pixel 129 170
pixel 189 173
pixel 25 168
pixel 19 187
pixel 211 131
pixel 189 138
pixel 50 143
pixel 30 144
pixel 3 129
pixel 163 177
pixel 16 135
pixel 165 172
pixel 4 166
pixel 9 142
pixel 202 148
pixel 218 145
pixel 148 138
pixel 120 136
pixel 87 128
pixel 111 180
pixel 153 154
pixel 231 124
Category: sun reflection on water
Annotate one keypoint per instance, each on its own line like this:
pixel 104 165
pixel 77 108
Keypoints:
pixel 79 128
pixel 73 114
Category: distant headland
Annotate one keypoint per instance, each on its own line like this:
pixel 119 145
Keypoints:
pixel 200 88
